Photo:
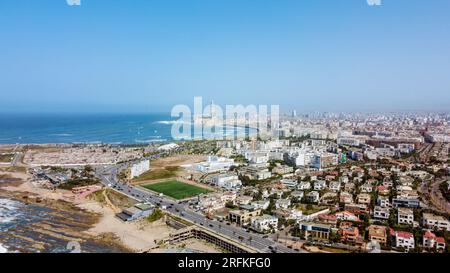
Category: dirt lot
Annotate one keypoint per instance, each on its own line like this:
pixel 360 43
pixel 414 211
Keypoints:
pixel 169 167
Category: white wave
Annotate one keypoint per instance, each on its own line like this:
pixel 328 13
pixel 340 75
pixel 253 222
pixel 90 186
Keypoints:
pixel 8 210
pixel 149 140
pixel 62 135
pixel 3 249
pixel 170 122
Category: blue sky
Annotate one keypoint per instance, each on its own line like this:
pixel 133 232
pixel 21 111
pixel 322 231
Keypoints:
pixel 140 55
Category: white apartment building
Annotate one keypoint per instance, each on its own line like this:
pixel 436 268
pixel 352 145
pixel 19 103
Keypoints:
pixel 381 213
pixel 435 221
pixel 264 224
pixel 229 181
pixel 335 186
pixel 320 185
pixel 405 216
pixel 404 239
pixel 140 168
pixel 304 185
pixel 282 203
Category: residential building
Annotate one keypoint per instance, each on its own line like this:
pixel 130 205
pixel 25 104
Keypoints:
pixel 346 216
pixel 345 198
pixel 378 233
pixel 290 183
pixel 431 241
pixel 264 224
pixel 335 186
pixel 319 185
pixel 282 203
pixel 313 197
pixel 363 198
pixel 243 217
pixel 304 185
pixel 263 204
pixel 404 239
pixel 139 168
pixel 255 172
pixel 383 201
pixel 381 213
pixel 405 216
pixel 435 221
pixel 282 169
pixel 315 231
pixel 229 181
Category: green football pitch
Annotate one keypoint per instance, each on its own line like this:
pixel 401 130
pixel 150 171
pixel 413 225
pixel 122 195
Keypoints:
pixel 176 189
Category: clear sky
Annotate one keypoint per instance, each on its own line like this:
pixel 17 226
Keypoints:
pixel 141 55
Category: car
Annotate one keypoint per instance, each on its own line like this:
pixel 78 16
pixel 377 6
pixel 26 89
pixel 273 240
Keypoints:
pixel 211 225
pixel 228 224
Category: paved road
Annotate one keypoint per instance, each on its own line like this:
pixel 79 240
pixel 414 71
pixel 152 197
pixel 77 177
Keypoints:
pixel 108 176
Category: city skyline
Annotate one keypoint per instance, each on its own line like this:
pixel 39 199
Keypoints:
pixel 148 57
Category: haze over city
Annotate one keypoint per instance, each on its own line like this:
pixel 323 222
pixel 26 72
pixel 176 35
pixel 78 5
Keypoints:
pixel 146 56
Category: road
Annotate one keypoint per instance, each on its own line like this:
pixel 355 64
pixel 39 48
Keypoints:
pixel 256 241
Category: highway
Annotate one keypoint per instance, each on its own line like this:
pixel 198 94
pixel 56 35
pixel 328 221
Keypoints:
pixel 256 241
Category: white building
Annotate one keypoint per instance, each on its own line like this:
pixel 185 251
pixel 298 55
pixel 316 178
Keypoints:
pixel 335 186
pixel 282 203
pixel 263 204
pixel 404 239
pixel 435 221
pixel 265 223
pixel 431 241
pixel 381 213
pixel 255 173
pixel 405 216
pixel 256 157
pixel 290 183
pixel 313 197
pixel 304 185
pixel 140 168
pixel 320 185
pixel 215 164
pixel 228 181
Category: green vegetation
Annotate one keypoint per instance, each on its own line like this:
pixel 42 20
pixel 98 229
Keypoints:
pixel 155 216
pixel 79 182
pixel 6 158
pixel 445 191
pixel 308 209
pixel 82 179
pixel 176 189
pixel 98 196
pixel 167 172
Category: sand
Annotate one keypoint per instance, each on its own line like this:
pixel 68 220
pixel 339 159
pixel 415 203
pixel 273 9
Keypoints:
pixel 138 236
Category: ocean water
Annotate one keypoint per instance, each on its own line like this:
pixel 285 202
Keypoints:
pixel 91 128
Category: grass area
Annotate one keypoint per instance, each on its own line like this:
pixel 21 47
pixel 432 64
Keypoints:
pixel 176 189
pixel 308 209
pixel 6 158
pixel 167 172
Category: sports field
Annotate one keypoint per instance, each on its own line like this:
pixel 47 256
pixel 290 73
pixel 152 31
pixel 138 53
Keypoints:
pixel 176 189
